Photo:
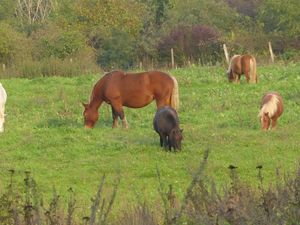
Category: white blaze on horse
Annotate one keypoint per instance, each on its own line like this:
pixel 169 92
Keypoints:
pixel 242 64
pixel 3 97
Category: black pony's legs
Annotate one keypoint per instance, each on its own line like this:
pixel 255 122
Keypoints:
pixel 161 140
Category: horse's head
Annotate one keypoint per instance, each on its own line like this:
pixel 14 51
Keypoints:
pixel 230 75
pixel 265 121
pixel 90 115
pixel 175 138
pixel 2 120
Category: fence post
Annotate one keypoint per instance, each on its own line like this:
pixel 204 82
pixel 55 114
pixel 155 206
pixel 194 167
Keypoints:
pixel 141 65
pixel 271 52
pixel 226 53
pixel 3 67
pixel 172 58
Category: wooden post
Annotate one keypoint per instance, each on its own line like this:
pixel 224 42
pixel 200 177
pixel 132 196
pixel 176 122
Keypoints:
pixel 271 52
pixel 71 60
pixel 141 65
pixel 226 53
pixel 3 67
pixel 172 58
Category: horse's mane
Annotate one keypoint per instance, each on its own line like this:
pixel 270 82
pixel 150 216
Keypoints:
pixel 230 63
pixel 269 107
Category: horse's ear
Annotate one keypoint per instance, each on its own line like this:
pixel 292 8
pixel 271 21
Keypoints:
pixel 85 105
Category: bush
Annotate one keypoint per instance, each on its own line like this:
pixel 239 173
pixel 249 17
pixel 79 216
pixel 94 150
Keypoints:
pixel 192 43
pixel 58 44
pixel 13 45
pixel 117 51
pixel 52 67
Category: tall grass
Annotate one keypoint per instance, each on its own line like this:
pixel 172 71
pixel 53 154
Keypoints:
pixel 50 67
pixel 236 204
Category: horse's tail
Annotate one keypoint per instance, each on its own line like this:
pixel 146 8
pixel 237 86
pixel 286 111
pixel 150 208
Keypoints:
pixel 252 72
pixel 175 95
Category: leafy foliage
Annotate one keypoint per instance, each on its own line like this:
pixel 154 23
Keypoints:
pixel 192 43
pixel 117 52
pixel 62 29
pixel 10 48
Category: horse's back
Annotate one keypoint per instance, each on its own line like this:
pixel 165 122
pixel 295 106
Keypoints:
pixel 165 119
pixel 153 83
pixel 137 79
pixel 151 77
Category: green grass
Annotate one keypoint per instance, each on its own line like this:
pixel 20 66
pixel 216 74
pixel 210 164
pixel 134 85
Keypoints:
pixel 44 134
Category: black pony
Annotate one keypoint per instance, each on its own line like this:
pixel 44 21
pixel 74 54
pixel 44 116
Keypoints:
pixel 166 124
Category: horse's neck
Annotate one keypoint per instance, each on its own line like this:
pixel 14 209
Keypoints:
pixel 95 102
pixel 96 98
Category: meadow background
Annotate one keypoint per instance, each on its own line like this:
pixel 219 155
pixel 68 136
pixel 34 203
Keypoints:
pixel 44 134
pixel 52 53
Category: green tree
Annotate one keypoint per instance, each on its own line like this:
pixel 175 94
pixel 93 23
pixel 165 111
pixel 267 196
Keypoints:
pixel 161 7
pixel 117 51
pixel 278 16
pixel 215 13
pixel 13 45
pixel 55 42
pixel 7 9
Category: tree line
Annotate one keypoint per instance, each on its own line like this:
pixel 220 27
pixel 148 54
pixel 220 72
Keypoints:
pixel 123 34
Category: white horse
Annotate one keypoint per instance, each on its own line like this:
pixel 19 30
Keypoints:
pixel 3 97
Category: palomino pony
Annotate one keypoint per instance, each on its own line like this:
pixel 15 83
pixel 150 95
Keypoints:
pixel 270 110
pixel 134 90
pixel 3 97
pixel 242 64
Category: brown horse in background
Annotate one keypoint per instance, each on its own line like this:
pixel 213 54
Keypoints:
pixel 270 110
pixel 134 90
pixel 242 64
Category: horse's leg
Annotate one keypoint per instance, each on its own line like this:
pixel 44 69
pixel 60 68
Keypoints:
pixel 115 117
pixel 247 77
pixel 274 123
pixel 165 140
pixel 119 111
pixel 161 140
pixel 236 78
pixel 162 101
pixel 269 124
pixel 239 78
pixel 169 144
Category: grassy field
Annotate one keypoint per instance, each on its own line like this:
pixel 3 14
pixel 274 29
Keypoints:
pixel 44 134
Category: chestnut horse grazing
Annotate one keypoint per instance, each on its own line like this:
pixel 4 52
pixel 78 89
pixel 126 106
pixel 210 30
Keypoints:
pixel 3 97
pixel 134 90
pixel 271 109
pixel 242 64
